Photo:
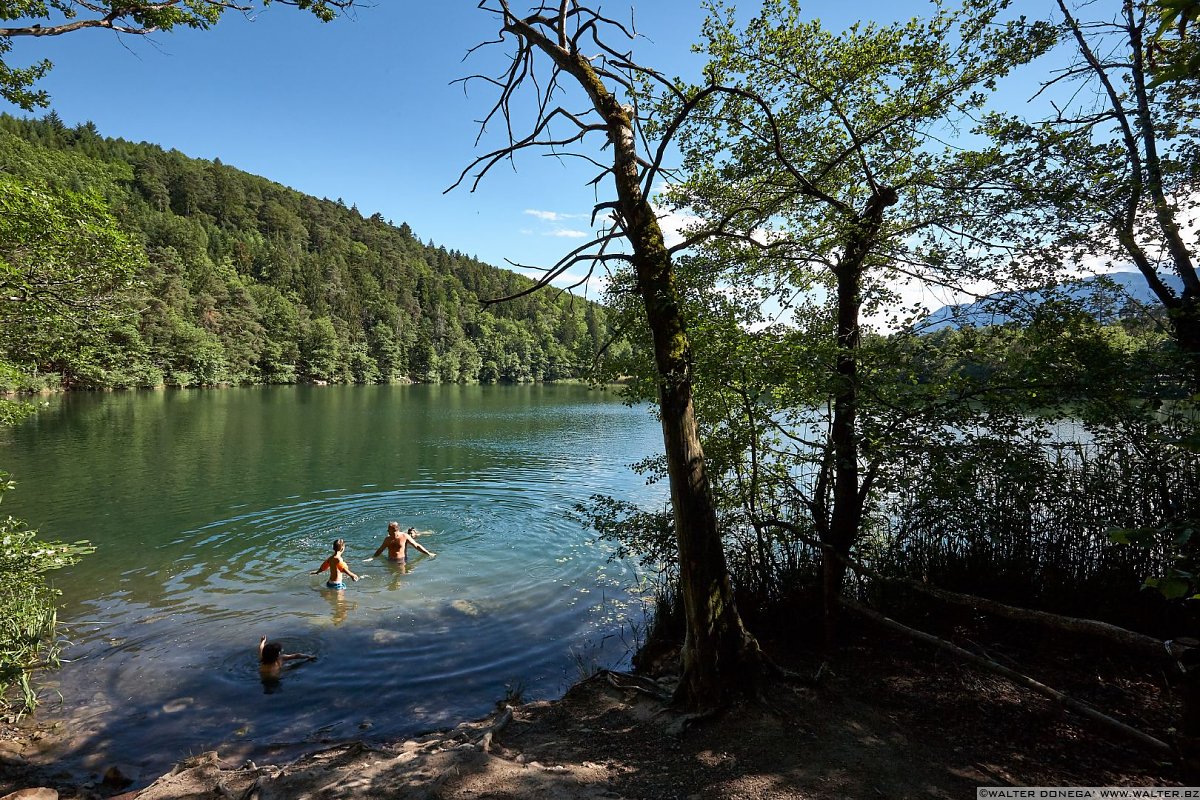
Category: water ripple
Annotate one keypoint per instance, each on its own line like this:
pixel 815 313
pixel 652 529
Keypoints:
pixel 219 507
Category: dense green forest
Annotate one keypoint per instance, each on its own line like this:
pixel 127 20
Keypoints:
pixel 229 278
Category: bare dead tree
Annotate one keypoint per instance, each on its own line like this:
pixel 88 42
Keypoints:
pixel 547 59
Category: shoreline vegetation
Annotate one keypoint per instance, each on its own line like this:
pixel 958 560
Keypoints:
pixel 16 394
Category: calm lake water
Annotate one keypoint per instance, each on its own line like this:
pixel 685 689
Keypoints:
pixel 209 508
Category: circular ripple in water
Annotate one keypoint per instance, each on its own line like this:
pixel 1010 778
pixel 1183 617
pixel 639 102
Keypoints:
pixel 516 593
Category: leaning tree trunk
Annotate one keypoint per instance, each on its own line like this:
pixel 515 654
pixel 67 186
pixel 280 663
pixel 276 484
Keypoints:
pixel 1184 314
pixel 718 652
pixel 719 655
pixel 1139 138
pixel 1185 324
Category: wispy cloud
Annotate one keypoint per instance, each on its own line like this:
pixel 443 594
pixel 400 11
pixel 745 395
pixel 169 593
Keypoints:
pixel 553 216
pixel 567 233
pixel 673 224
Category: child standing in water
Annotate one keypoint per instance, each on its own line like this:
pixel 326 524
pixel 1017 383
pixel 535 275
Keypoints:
pixel 336 566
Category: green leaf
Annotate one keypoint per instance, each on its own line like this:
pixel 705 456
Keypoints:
pixel 1172 588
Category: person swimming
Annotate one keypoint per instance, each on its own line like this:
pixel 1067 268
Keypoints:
pixel 271 659
pixel 396 543
pixel 336 566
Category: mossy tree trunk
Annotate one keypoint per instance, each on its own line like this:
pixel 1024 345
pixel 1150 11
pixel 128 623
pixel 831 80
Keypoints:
pixel 719 655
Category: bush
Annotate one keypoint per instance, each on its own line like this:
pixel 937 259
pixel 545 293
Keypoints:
pixel 28 605
pixel 16 381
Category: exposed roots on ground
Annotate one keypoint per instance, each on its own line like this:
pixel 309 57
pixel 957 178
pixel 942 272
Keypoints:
pixel 894 718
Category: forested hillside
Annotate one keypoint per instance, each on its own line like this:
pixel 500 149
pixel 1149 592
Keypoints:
pixel 231 278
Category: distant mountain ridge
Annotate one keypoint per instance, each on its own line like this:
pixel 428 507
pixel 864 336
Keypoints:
pixel 1105 296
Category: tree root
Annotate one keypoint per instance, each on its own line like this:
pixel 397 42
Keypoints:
pixel 683 722
pixel 253 790
pixel 1147 741
pixel 628 681
pixel 485 741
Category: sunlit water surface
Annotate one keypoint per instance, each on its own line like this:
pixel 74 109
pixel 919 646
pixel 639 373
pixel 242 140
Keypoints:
pixel 209 508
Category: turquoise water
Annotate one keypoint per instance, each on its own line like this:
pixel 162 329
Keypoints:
pixel 209 509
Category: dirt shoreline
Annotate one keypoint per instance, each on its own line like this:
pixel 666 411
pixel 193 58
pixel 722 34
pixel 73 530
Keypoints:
pixel 891 719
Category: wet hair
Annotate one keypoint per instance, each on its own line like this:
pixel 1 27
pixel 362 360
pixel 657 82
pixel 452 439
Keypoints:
pixel 270 652
pixel 393 526
pixel 412 530
pixel 339 544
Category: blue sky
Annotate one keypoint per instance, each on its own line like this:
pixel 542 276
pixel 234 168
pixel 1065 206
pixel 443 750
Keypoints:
pixel 361 108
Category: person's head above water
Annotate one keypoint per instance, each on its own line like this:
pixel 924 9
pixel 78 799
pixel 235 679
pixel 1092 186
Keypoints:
pixel 270 652
pixel 412 530
pixel 339 545
pixel 393 527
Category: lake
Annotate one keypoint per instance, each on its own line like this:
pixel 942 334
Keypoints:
pixel 210 507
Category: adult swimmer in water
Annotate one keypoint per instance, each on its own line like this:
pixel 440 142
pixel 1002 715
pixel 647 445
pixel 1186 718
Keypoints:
pixel 336 566
pixel 396 543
